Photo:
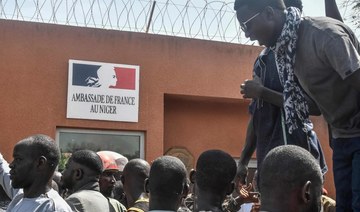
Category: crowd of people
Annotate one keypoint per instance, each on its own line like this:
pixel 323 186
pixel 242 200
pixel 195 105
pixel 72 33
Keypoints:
pixel 309 66
pixel 88 181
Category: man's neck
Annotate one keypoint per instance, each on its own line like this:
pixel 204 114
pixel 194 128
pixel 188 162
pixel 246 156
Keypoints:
pixel 87 185
pixel 133 198
pixel 159 203
pixel 206 201
pixel 35 190
pixel 275 205
pixel 278 28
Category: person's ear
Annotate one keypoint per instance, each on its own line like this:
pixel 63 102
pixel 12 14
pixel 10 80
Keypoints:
pixel 269 13
pixel 185 190
pixel 306 192
pixel 79 173
pixel 41 162
pixel 146 185
pixel 230 188
pixel 192 176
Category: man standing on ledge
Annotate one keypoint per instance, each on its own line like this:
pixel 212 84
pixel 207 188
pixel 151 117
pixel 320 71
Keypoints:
pixel 327 68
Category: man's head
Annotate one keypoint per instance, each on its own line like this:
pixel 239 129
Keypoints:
pixel 107 178
pixel 291 179
pixel 119 159
pixel 215 171
pixel 261 20
pixel 83 166
pixel 134 174
pixel 35 160
pixel 167 183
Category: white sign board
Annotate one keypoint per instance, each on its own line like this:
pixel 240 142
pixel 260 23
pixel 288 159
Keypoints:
pixel 103 91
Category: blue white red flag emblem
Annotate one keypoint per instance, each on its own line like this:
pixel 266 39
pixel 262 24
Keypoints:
pixel 103 76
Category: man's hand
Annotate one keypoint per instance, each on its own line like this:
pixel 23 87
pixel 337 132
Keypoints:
pixel 246 196
pixel 241 174
pixel 251 88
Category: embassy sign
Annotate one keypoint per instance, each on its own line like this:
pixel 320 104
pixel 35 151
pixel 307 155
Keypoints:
pixel 103 91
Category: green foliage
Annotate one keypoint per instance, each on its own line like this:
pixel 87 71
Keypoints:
pixel 63 160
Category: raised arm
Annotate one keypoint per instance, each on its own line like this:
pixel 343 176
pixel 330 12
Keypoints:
pixel 5 178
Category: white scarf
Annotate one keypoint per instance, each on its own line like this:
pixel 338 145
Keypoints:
pixel 295 104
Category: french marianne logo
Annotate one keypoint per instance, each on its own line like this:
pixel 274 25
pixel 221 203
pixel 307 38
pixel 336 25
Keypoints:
pixel 103 91
pixel 103 76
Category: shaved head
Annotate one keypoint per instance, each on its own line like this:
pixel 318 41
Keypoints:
pixel 167 176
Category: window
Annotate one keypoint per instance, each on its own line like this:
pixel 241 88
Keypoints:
pixel 129 144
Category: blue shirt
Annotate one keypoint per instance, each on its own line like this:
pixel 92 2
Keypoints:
pixel 268 119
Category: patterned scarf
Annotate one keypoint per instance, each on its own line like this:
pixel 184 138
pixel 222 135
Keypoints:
pixel 295 105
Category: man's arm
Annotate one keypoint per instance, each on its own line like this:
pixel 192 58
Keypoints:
pixel 5 178
pixel 249 148
pixel 254 89
pixel 332 10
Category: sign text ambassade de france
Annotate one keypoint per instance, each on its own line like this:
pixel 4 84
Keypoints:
pixel 103 91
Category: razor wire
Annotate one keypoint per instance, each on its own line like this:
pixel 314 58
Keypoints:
pixel 201 19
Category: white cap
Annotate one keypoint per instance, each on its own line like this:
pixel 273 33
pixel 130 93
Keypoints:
pixel 120 160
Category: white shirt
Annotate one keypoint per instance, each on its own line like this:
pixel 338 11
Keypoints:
pixel 246 207
pixel 50 201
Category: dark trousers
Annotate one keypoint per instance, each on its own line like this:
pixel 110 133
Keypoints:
pixel 346 166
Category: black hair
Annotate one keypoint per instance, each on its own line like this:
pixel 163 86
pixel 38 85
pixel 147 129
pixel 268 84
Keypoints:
pixel 294 3
pixel 259 5
pixel 138 169
pixel 215 169
pixel 89 159
pixel 167 177
pixel 43 145
pixel 287 167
